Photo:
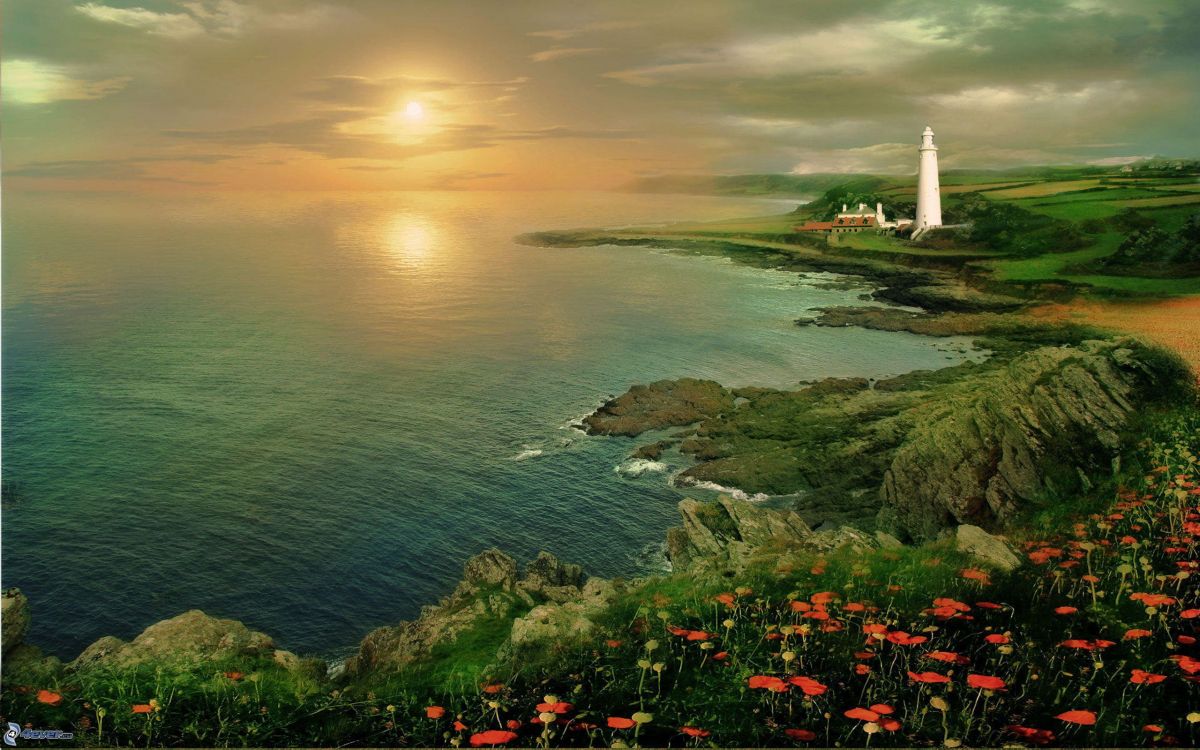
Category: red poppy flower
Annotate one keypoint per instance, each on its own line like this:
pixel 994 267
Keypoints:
pixel 142 708
pixel 513 724
pixel 492 737
pixel 985 682
pixel 768 683
pixel 698 635
pixel 620 722
pixel 612 643
pixel 944 601
pixel 493 688
pixel 889 724
pixel 854 607
pixel 947 656
pixel 1152 600
pixel 235 676
pixel 1083 718
pixel 1077 643
pixel 975 574
pixel 1152 728
pixel 676 630
pixel 1065 610
pixel 900 638
pixel 555 708
pixel 989 605
pixel 49 698
pixel 862 669
pixel 997 638
pixel 801 735
pixel 459 726
pixel 1036 736
pixel 1134 633
pixel 726 598
pixel 824 597
pixel 863 714
pixel 930 678
pixel 435 712
pixel 882 709
pixel 1186 663
pixel 1141 676
pixel 720 656
pixel 808 685
pixel 695 732
pixel 1189 614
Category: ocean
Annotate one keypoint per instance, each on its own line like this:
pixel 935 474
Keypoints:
pixel 306 411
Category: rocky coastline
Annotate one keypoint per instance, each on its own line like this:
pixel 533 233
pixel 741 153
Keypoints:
pixel 952 455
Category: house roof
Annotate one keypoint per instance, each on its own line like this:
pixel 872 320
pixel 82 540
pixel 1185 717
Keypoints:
pixel 843 221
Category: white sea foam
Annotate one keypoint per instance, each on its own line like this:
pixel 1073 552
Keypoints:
pixel 528 453
pixel 733 492
pixel 636 467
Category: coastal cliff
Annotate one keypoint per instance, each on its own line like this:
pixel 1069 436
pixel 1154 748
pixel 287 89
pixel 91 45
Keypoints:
pixel 919 453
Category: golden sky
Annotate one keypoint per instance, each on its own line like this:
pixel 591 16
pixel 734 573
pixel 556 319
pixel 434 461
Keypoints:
pixel 491 94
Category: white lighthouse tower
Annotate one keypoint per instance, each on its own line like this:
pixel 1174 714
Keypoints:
pixel 929 197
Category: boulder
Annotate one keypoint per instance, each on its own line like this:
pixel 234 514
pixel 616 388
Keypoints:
pixel 993 550
pixel 558 624
pixel 491 568
pixel 187 638
pixel 547 571
pixel 14 619
pixel 727 531
pixel 489 593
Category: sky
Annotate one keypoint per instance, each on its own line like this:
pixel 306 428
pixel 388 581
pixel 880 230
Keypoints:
pixel 533 94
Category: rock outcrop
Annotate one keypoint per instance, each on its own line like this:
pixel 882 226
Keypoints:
pixel 728 533
pixel 14 619
pixel 557 622
pixel 190 638
pixel 551 599
pixel 989 445
pixel 992 550
pixel 666 403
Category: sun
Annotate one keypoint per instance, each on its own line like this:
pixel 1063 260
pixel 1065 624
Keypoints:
pixel 413 111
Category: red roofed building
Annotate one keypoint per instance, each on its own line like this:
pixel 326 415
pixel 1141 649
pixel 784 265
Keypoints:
pixel 840 225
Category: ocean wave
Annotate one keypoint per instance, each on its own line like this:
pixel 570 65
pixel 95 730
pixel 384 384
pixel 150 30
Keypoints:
pixel 528 453
pixel 733 492
pixel 636 467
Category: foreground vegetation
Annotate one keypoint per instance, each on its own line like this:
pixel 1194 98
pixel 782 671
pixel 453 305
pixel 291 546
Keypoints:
pixel 1091 641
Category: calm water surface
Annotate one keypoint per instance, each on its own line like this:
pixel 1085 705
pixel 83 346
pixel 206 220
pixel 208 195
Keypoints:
pixel 306 411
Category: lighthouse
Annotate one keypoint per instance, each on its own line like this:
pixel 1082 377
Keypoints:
pixel 929 197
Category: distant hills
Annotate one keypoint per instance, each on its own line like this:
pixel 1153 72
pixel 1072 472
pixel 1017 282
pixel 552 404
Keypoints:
pixel 812 185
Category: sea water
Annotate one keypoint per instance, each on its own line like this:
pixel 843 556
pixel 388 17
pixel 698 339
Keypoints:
pixel 306 411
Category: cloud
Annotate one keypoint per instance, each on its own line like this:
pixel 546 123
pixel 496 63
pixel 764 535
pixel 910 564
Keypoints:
pixel 170 25
pixel 850 48
pixel 587 28
pixel 885 158
pixel 127 168
pixel 36 82
pixel 213 17
pixel 558 53
pixel 327 134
